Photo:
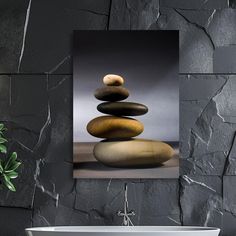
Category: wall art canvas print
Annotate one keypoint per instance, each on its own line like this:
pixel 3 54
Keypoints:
pixel 126 104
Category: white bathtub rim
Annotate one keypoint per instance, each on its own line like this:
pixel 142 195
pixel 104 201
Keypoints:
pixel 122 229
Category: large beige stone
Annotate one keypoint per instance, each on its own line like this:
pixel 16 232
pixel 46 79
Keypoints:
pixel 133 152
pixel 113 80
pixel 114 127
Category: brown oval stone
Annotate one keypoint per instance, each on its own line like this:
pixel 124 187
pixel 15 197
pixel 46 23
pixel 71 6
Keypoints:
pixel 113 80
pixel 111 93
pixel 114 127
pixel 133 152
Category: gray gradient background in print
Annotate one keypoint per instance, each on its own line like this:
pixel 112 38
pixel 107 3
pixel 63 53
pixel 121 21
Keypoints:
pixel 148 61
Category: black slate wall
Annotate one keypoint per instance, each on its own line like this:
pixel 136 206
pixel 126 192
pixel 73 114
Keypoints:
pixel 36 105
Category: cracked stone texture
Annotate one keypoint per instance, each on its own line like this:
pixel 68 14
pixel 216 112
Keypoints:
pixel 201 200
pixel 141 194
pixel 207 124
pixel 39 121
pixel 12 20
pixel 203 26
pixel 48 43
pixel 76 208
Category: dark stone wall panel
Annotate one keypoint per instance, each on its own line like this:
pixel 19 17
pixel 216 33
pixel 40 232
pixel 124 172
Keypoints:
pixel 48 44
pixel 201 200
pixel 224 59
pixel 229 194
pixel 36 38
pixel 207 125
pixel 141 194
pixel 60 102
pixel 133 15
pixel 13 221
pixel 204 26
pixel 13 15
pixel 195 5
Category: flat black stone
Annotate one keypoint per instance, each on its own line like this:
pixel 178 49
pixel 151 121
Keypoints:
pixel 111 93
pixel 122 108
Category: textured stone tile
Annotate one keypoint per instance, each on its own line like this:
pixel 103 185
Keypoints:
pixel 229 224
pixel 60 101
pixel 110 196
pixel 163 197
pixel 194 5
pixel 54 195
pixel 201 18
pixel 39 127
pixel 49 211
pixel 223 60
pixel 5 96
pixel 30 112
pixel 201 200
pixel 231 162
pixel 229 203
pixel 193 41
pixel 191 86
pixel 212 131
pixel 222 27
pixel 60 176
pixel 13 221
pixel 133 15
pixel 225 101
pixel 199 99
pixel 204 26
pixel 12 22
pixel 229 194
pixel 48 45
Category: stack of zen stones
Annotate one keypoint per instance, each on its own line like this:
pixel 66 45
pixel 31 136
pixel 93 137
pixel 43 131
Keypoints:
pixel 120 149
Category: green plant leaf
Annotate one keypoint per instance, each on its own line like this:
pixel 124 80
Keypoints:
pixel 11 161
pixel 7 164
pixel 1 167
pixel 2 140
pixel 13 156
pixel 3 148
pixel 1 126
pixel 12 175
pixel 12 167
pixel 8 183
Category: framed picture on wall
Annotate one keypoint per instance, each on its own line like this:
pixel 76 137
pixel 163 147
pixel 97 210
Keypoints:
pixel 126 104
